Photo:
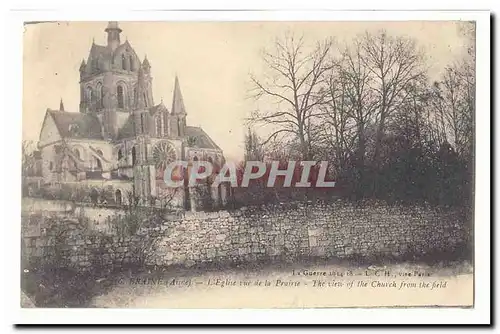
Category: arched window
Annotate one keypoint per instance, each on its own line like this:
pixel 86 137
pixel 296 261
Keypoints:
pixel 195 158
pixel 165 126
pixel 132 64
pixel 158 126
pixel 120 154
pixel 134 156
pixel 98 164
pixel 124 62
pixel 120 96
pixel 118 197
pixel 51 165
pixel 99 95
pixel 102 97
pixel 142 123
pixel 88 94
pixel 77 153
pixel 145 100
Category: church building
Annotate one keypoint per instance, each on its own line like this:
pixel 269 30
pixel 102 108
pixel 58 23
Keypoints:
pixel 120 141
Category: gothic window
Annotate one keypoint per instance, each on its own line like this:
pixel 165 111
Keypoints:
pixel 51 165
pixel 77 153
pixel 124 62
pixel 120 95
pixel 118 197
pixel 142 123
pixel 178 127
pixel 195 158
pixel 120 154
pixel 132 65
pixel 145 100
pixel 99 95
pixel 89 95
pixel 158 126
pixel 135 95
pixel 134 156
pixel 165 126
pixel 102 97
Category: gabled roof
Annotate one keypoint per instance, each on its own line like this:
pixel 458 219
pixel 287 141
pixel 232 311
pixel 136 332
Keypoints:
pixel 76 125
pixel 127 130
pixel 159 107
pixel 201 138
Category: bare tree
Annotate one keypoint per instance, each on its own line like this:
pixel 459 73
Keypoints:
pixel 292 81
pixel 456 105
pixel 394 63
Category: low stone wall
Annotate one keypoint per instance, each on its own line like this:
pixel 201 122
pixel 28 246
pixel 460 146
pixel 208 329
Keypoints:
pixel 32 204
pixel 97 215
pixel 283 233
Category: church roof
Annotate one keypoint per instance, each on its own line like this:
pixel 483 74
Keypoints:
pixel 76 125
pixel 102 58
pixel 99 50
pixel 127 130
pixel 159 107
pixel 201 138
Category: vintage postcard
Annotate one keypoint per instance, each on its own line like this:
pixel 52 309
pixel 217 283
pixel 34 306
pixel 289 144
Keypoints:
pixel 249 164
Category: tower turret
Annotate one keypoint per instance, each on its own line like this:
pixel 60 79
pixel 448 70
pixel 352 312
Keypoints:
pixel 145 65
pixel 113 34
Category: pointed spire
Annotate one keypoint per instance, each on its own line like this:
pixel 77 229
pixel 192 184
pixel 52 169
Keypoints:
pixel 146 64
pixel 82 65
pixel 61 105
pixel 178 101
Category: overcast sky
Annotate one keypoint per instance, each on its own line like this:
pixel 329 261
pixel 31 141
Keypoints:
pixel 212 61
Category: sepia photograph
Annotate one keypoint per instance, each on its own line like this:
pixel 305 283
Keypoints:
pixel 248 164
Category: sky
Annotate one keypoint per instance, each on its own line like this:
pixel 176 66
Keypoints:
pixel 213 61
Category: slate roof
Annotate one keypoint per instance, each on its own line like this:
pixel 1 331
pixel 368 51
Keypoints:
pixel 202 139
pixel 127 130
pixel 86 126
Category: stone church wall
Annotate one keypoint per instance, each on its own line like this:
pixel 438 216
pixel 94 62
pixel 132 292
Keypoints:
pixel 269 233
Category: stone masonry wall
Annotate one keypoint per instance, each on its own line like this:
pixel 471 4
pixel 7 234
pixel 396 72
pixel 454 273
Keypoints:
pixel 283 233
